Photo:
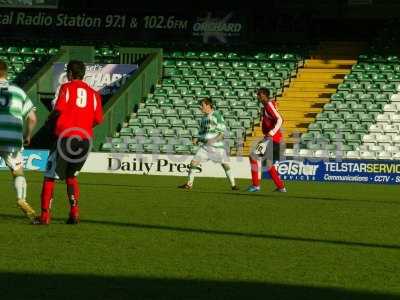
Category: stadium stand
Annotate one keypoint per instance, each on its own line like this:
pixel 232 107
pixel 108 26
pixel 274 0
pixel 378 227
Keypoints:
pixel 362 118
pixel 168 118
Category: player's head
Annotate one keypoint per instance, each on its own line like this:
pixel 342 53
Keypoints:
pixel 3 69
pixel 263 95
pixel 75 70
pixel 206 105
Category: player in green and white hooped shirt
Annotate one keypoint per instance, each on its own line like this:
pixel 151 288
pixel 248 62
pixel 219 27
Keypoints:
pixel 15 108
pixel 211 141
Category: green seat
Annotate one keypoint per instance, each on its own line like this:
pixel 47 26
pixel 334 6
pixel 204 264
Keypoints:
pixel 344 87
pixel 106 147
pixel 154 132
pixel 168 132
pixel 191 123
pixel 126 131
pixel 162 123
pixel 177 123
pixel 139 132
pixel 315 127
pixel 182 149
pixel 134 147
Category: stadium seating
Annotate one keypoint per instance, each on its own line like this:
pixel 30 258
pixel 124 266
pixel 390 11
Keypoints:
pixel 364 114
pixel 23 62
pixel 171 112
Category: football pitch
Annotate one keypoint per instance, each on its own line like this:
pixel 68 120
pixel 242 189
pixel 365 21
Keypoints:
pixel 142 238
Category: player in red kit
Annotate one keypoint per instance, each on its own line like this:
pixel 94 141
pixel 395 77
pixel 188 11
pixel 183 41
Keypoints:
pixel 78 109
pixel 269 147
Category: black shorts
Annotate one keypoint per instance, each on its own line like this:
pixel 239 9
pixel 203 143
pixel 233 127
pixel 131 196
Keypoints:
pixel 67 158
pixel 266 149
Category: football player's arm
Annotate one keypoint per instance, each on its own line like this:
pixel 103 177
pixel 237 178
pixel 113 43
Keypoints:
pixel 31 121
pixel 278 118
pixel 98 112
pixel 28 112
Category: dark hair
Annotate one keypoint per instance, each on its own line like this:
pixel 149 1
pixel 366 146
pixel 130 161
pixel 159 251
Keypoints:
pixel 208 101
pixel 77 69
pixel 3 68
pixel 264 91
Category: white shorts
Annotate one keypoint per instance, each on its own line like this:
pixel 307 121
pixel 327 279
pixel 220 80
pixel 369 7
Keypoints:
pixel 266 149
pixel 206 153
pixel 13 160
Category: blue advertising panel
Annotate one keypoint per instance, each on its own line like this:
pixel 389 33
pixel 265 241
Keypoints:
pixel 34 160
pixel 357 171
pixel 104 78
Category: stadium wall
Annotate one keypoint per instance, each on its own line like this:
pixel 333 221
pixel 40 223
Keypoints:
pixel 351 171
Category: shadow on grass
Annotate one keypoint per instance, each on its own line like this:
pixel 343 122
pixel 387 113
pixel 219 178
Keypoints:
pixel 271 195
pixel 90 287
pixel 8 217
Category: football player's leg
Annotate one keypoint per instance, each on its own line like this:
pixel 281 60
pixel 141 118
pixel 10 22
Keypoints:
pixel 272 170
pixel 194 167
pixel 55 169
pixel 256 155
pixel 14 162
pixel 76 163
pixel 229 175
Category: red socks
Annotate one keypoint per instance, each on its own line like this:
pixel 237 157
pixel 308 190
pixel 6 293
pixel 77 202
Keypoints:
pixel 272 172
pixel 254 172
pixel 73 195
pixel 275 177
pixel 46 199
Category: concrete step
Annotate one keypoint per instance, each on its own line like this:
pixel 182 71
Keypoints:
pixel 326 66
pixel 297 94
pixel 319 76
pixel 311 84
pixel 310 89
pixel 348 62
pixel 315 79
pixel 300 110
pixel 300 100
pixel 319 70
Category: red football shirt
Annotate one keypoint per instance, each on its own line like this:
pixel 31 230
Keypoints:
pixel 80 109
pixel 271 121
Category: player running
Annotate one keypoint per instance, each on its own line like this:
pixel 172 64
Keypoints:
pixel 211 141
pixel 78 109
pixel 15 109
pixel 269 147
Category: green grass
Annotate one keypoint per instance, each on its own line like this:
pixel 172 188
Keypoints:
pixel 142 238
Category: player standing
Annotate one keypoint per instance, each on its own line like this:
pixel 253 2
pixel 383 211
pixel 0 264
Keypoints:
pixel 211 140
pixel 77 111
pixel 15 108
pixel 269 147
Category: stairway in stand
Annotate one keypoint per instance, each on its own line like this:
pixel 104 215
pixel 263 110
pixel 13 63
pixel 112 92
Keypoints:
pixel 313 86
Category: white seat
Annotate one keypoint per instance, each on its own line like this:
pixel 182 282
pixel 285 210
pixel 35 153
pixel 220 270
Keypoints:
pixel 369 138
pixel 321 153
pixel 383 139
pixel 390 128
pixel 395 97
pixel 364 147
pixel 290 152
pixel 382 118
pixel 375 148
pixel 376 128
pixel 396 155
pixel 353 154
pixel 396 140
pixel 395 118
pixel 306 153
pixel 338 155
pixel 384 155
pixel 367 155
pixel 390 108
pixel 392 148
